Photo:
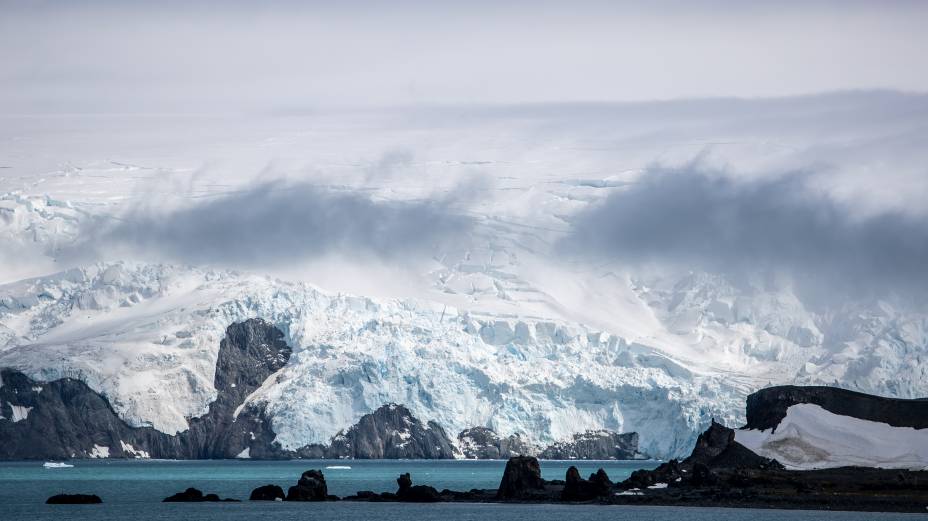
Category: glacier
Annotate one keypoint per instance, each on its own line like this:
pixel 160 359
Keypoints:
pixel 494 329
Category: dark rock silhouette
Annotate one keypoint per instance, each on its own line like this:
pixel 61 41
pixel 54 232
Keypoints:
pixel 192 495
pixel 579 489
pixel 521 479
pixel 73 499
pixel 410 493
pixel 267 493
pixel 310 487
pixel 404 482
pixel 766 408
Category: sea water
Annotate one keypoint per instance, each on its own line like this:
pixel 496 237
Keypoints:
pixel 133 489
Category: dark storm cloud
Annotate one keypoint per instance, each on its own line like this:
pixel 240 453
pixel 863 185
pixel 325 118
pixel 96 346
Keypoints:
pixel 275 223
pixel 705 220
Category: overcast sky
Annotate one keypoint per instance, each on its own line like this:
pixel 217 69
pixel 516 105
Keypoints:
pixel 221 56
pixel 842 203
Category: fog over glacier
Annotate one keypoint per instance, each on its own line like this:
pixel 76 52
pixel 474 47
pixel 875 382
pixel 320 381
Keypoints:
pixel 538 217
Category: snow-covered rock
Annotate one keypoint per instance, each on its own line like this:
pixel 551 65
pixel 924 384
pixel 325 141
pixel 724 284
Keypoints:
pixel 810 437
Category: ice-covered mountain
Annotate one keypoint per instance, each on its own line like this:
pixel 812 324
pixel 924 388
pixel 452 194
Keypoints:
pixel 486 320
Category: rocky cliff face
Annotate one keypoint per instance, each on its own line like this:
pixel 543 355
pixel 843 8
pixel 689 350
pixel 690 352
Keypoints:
pixel 485 443
pixel 767 407
pixel 600 444
pixel 66 419
pixel 391 432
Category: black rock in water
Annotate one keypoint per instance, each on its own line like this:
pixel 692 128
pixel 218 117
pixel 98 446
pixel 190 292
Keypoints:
pixel 521 479
pixel 410 493
pixel 189 495
pixel 484 443
pixel 579 489
pixel 267 493
pixel 404 482
pixel 192 495
pixel 310 487
pixel 391 432
pixel 601 444
pixel 74 499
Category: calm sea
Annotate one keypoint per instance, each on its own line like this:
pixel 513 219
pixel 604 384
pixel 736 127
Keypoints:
pixel 134 490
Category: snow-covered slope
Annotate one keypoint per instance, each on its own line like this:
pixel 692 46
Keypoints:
pixel 495 326
pixel 810 437
pixel 147 337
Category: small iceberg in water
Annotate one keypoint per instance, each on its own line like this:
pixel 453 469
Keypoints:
pixel 56 465
pixel 338 467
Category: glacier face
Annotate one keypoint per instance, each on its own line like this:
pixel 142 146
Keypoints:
pixel 147 337
pixel 493 329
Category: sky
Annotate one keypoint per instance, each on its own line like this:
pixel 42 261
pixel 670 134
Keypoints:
pixel 811 119
pixel 217 56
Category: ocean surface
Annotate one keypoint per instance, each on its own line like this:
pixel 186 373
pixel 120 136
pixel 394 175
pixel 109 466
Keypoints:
pixel 133 489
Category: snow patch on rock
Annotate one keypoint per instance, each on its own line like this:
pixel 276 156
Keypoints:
pixel 810 437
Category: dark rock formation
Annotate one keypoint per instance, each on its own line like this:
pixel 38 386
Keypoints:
pixel 722 472
pixel 74 499
pixel 521 479
pixel 767 407
pixel 410 493
pixel 250 352
pixel 715 448
pixel 391 432
pixel 267 493
pixel 67 419
pixel 484 443
pixel 600 444
pixel 579 489
pixel 310 487
pixel 404 482
pixel 192 495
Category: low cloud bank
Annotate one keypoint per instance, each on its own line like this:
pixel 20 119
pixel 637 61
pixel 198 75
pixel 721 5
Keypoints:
pixel 275 223
pixel 705 220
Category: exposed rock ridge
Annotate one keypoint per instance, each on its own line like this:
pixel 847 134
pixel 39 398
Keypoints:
pixel 767 407
pixel 66 419
pixel 390 432
pixel 485 443
pixel 600 444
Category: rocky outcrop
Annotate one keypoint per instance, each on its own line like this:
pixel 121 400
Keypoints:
pixel 250 352
pixel 410 493
pixel 267 493
pixel 391 432
pixel 310 487
pixel 74 499
pixel 578 489
pixel 192 495
pixel 521 479
pixel 601 444
pixel 715 448
pixel 767 407
pixel 485 443
pixel 66 419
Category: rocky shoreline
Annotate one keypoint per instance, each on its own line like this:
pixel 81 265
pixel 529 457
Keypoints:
pixel 711 477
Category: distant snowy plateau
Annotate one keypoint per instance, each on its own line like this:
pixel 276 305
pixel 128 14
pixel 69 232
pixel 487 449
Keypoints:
pixel 499 328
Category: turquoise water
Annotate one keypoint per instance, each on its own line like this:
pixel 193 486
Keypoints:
pixel 134 490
